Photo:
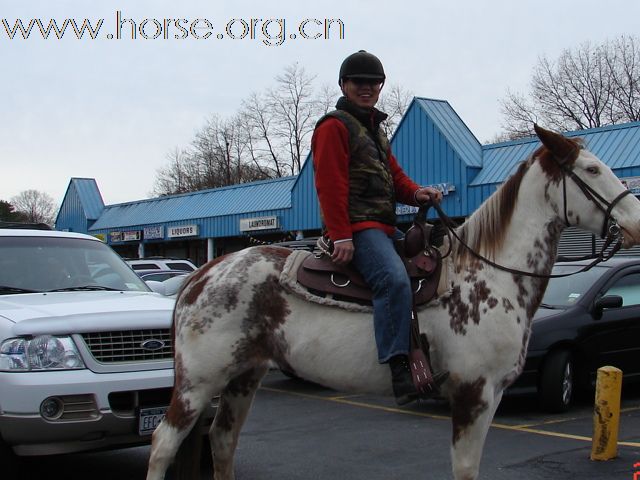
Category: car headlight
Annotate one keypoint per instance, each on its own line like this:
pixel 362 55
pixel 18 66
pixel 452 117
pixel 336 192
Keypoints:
pixel 44 352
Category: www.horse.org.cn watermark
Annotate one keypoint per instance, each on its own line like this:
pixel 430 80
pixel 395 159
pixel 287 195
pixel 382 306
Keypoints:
pixel 269 31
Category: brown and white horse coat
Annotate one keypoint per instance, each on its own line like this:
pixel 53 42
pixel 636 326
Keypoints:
pixel 233 318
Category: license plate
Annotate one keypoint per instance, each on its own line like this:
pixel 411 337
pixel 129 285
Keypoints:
pixel 149 419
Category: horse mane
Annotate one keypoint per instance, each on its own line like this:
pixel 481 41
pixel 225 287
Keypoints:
pixel 486 229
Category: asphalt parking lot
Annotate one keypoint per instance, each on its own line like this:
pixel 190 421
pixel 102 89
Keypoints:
pixel 301 431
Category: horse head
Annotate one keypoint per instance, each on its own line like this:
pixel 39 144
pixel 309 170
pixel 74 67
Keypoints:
pixel 590 194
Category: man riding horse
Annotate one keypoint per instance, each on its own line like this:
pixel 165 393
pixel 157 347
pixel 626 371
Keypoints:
pixel 358 181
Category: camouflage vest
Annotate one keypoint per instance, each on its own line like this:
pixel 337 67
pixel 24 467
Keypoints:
pixel 371 191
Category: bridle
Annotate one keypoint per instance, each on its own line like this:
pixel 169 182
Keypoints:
pixel 610 227
pixel 611 231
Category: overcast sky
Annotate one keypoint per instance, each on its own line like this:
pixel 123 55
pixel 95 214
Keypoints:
pixel 111 109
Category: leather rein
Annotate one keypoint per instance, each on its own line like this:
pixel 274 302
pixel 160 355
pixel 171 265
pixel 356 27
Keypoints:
pixel 610 229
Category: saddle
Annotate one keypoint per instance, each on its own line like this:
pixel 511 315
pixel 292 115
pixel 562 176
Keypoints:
pixel 423 262
pixel 320 276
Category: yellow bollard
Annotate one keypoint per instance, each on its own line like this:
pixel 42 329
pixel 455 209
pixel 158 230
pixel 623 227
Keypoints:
pixel 606 414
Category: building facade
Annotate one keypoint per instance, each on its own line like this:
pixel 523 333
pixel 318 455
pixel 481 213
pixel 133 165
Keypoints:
pixel 432 144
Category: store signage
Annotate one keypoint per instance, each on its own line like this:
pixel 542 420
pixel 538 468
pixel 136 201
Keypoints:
pixel 632 183
pixel 131 236
pixel 445 189
pixel 183 231
pixel 405 209
pixel 262 223
pixel 154 233
pixel 115 236
pixel 101 236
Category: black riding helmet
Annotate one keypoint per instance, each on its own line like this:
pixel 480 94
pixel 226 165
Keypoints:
pixel 362 64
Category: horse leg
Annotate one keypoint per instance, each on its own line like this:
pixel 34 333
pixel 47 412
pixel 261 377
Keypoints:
pixel 188 401
pixel 473 406
pixel 233 407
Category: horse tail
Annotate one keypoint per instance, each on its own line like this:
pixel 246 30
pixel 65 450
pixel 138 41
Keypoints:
pixel 187 460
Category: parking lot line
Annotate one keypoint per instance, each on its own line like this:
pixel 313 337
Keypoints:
pixel 344 400
pixel 520 428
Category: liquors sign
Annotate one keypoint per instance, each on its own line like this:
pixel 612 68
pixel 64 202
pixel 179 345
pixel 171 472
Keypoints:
pixel 183 231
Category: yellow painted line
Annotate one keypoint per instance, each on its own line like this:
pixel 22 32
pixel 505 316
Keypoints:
pixel 555 434
pixel 517 428
pixel 341 397
pixel 344 401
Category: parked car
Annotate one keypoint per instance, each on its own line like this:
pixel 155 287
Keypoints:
pixel 158 263
pixel 86 357
pixel 585 321
pixel 169 287
pixel 159 275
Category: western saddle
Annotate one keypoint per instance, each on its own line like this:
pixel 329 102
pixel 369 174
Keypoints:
pixel 320 276
pixel 423 262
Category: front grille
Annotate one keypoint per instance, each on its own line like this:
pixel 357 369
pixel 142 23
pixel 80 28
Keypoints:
pixel 126 346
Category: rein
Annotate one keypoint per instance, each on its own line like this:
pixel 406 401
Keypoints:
pixel 610 228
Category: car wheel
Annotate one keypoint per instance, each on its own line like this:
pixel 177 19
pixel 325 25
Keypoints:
pixel 557 382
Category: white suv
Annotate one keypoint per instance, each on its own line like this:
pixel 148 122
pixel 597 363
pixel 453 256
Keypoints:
pixel 85 347
pixel 153 263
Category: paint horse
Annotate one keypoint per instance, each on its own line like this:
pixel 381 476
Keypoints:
pixel 233 317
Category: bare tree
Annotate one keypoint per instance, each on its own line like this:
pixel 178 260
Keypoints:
pixel 394 101
pixel 35 206
pixel 260 134
pixel 269 137
pixel 624 65
pixel 295 112
pixel 587 87
pixel 173 178
pixel 326 98
pixel 216 159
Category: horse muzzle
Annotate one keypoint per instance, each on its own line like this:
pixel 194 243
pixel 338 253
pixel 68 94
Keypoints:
pixel 630 237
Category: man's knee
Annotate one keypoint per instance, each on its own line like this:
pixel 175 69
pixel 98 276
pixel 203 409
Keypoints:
pixel 399 282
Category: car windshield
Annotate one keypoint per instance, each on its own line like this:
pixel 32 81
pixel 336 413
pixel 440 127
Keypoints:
pixel 45 264
pixel 565 291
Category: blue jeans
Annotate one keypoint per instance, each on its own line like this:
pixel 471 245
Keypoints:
pixel 376 259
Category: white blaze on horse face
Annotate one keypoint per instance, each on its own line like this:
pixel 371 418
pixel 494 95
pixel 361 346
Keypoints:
pixel 602 179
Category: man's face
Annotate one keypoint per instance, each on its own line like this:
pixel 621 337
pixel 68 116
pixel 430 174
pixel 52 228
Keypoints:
pixel 363 92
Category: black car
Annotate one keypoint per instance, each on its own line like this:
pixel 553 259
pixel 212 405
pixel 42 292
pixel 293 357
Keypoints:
pixel 585 321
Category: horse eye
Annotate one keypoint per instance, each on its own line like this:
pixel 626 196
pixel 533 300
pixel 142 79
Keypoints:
pixel 593 170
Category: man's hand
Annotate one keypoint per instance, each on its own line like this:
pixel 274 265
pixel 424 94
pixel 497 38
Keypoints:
pixel 342 252
pixel 428 195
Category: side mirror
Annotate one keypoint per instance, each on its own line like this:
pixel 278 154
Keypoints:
pixel 608 301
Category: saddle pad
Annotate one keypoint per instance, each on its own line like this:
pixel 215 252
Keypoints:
pixel 288 279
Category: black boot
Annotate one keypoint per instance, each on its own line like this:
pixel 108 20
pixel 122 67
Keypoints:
pixel 403 387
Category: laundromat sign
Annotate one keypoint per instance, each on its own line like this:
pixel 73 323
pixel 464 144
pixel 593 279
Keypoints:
pixel 261 223
pixel 183 231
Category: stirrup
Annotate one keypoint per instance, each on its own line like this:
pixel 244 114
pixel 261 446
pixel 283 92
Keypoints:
pixel 426 382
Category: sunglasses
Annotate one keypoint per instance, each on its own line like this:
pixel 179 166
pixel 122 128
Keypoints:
pixel 373 82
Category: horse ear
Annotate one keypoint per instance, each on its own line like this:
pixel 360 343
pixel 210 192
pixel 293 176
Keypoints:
pixel 561 147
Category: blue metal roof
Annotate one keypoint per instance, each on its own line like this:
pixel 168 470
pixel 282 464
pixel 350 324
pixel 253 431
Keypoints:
pixel 89 195
pixel 616 145
pixel 81 206
pixel 235 199
pixel 454 129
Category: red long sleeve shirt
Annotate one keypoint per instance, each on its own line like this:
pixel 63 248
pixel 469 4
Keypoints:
pixel 330 146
